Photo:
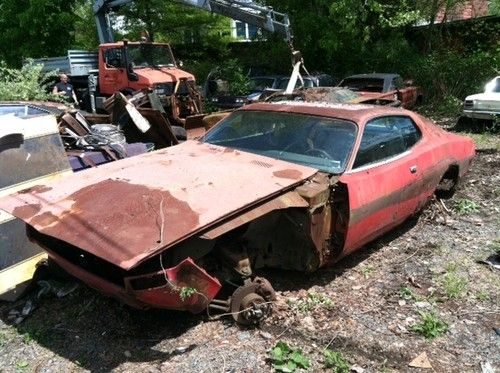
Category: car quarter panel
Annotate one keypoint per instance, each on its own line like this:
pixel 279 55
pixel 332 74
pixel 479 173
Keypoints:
pixel 382 195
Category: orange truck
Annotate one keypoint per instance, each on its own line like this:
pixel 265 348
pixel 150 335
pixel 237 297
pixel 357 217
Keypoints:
pixel 130 66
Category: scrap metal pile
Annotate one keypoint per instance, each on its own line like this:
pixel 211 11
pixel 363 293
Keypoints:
pixel 132 126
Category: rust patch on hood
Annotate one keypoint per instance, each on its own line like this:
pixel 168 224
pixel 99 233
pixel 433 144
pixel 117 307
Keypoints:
pixel 288 174
pixel 35 189
pixel 27 211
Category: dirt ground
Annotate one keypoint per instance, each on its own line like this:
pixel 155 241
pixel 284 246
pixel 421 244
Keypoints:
pixel 367 307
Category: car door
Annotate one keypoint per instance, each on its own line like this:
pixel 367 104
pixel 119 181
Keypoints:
pixel 113 76
pixel 382 181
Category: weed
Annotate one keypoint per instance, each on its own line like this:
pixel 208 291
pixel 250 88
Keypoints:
pixel 366 271
pixel 407 294
pixel 453 284
pixel 313 301
pixel 483 296
pixel 186 293
pixel 27 338
pixel 22 365
pixel 430 326
pixel 466 206
pixel 496 247
pixel 285 359
pixel 82 362
pixel 335 361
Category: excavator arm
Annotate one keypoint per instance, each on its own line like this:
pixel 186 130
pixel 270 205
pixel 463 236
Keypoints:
pixel 249 12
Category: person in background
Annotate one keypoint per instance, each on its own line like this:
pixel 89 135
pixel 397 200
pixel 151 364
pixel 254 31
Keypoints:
pixel 65 89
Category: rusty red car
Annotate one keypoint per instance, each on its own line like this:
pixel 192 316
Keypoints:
pixel 291 185
pixel 385 86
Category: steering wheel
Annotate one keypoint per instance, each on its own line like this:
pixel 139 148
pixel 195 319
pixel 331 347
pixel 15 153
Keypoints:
pixel 320 152
pixel 291 145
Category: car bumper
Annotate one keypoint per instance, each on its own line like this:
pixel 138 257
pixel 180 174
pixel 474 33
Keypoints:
pixel 166 294
pixel 481 114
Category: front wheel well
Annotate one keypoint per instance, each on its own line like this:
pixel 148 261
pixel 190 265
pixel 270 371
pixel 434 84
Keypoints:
pixel 448 183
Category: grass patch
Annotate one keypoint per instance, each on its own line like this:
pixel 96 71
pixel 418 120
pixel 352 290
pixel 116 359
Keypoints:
pixel 22 365
pixel 453 284
pixel 367 271
pixel 286 359
pixel 483 296
pixel 186 293
pixel 336 362
pixel 407 294
pixel 312 302
pixel 465 206
pixel 430 326
pixel 485 140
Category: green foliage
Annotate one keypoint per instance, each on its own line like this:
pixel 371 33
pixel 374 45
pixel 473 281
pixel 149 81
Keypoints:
pixel 22 364
pixel 85 30
pixel 35 28
pixel 232 73
pixel 186 293
pixel 26 83
pixel 312 302
pixel 453 284
pixel 407 294
pixel 483 296
pixel 335 361
pixel 367 271
pixel 285 359
pixel 465 206
pixel 430 326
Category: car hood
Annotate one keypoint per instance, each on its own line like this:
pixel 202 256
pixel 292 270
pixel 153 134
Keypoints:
pixel 493 96
pixel 129 210
pixel 162 74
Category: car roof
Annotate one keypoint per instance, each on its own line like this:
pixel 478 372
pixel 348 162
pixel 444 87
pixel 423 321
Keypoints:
pixel 358 113
pixel 373 76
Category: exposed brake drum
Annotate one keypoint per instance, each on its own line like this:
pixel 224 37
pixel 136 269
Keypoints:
pixel 251 302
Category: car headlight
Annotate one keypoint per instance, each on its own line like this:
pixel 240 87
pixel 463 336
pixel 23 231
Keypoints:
pixel 160 91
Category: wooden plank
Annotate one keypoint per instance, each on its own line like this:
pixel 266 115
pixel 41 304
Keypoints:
pixel 69 121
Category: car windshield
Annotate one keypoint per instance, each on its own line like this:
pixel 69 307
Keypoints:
pixel 493 86
pixel 363 84
pixel 308 83
pixel 150 55
pixel 260 84
pixel 314 141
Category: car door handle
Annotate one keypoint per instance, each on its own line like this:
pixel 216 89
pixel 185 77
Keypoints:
pixel 413 169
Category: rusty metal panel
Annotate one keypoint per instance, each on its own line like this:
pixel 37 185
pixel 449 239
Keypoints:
pixel 290 199
pixel 129 210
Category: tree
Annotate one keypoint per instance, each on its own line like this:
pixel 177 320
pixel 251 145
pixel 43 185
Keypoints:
pixel 35 28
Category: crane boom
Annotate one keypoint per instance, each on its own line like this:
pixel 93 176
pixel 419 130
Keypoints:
pixel 249 12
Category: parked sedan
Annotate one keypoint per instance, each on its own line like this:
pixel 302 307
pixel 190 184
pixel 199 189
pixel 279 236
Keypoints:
pixel 290 185
pixel 391 86
pixel 484 105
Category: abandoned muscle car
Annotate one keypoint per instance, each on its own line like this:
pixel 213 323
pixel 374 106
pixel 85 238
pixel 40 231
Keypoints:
pixel 290 185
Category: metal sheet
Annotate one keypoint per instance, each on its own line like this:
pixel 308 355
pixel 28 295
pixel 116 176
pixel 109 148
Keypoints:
pixel 129 210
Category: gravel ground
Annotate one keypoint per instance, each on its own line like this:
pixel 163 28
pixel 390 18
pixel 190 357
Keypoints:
pixel 365 307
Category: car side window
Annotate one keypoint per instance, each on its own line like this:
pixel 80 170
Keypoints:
pixel 113 57
pixel 386 137
pixel 398 83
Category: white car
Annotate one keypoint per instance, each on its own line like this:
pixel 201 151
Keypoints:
pixel 484 105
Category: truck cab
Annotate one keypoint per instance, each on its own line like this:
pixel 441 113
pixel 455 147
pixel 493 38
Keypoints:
pixel 131 66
